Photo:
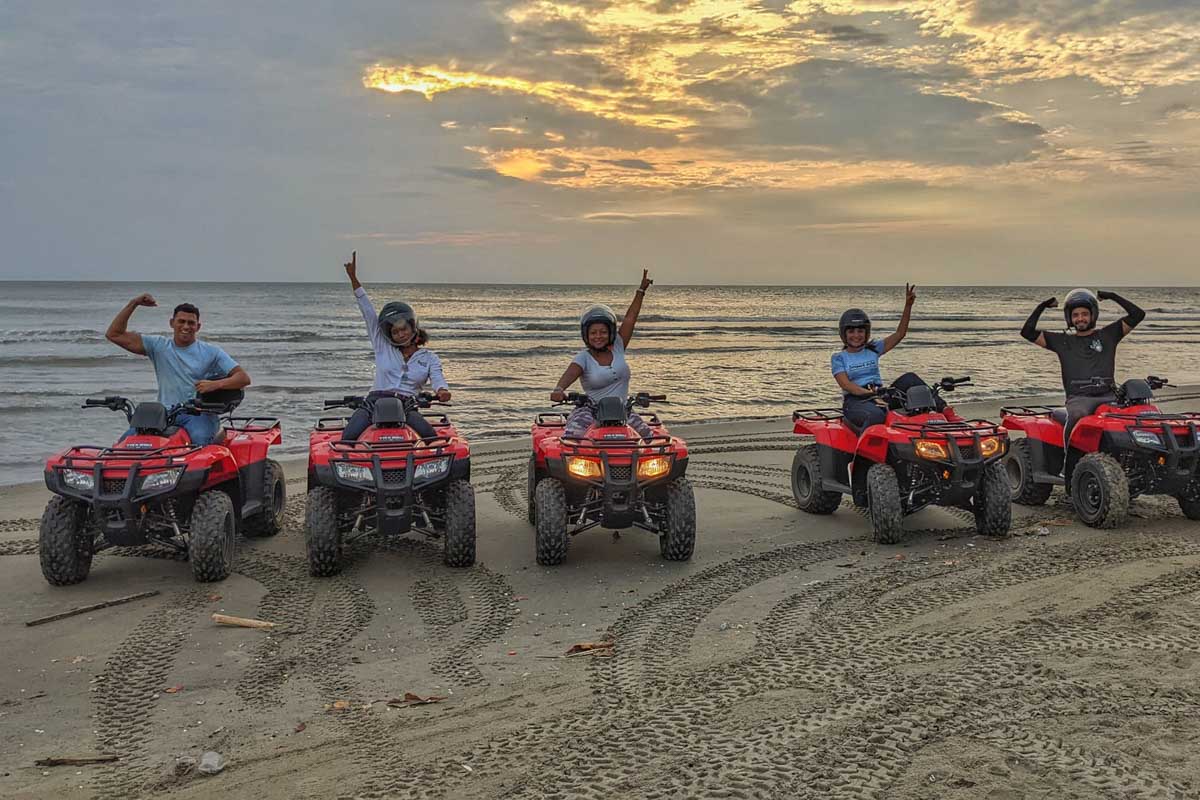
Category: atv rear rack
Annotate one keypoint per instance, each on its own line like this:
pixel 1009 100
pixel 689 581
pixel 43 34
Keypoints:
pixel 1181 418
pixel 1028 411
pixel 817 414
pixel 251 424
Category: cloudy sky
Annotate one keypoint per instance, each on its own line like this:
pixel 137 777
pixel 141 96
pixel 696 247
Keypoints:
pixel 715 141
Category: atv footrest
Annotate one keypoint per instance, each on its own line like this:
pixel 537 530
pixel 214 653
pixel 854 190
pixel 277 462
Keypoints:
pixel 1046 477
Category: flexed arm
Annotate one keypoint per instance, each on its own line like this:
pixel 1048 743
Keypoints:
pixel 1133 313
pixel 117 333
pixel 569 376
pixel 1030 330
pixel 635 308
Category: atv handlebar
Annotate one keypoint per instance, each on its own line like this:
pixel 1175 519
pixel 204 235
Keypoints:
pixel 355 402
pixel 641 399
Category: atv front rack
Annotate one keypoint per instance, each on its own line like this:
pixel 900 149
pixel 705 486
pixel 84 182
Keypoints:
pixel 172 456
pixel 367 449
pixel 1182 418
pixel 655 445
pixel 339 423
pixel 968 427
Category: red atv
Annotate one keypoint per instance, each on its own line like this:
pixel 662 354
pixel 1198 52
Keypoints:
pixel 1127 448
pixel 155 486
pixel 609 477
pixel 390 481
pixel 918 457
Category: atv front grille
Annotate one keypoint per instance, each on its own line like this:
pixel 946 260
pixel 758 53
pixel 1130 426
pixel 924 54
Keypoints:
pixel 621 473
pixel 113 485
pixel 393 476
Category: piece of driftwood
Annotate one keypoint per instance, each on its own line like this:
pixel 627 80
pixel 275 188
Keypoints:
pixel 69 761
pixel 241 622
pixel 93 607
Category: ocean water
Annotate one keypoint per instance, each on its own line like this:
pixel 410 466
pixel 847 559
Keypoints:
pixel 717 352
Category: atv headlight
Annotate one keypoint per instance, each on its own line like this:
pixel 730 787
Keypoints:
pixel 1146 438
pixel 583 467
pixel 989 446
pixel 78 480
pixel 927 448
pixel 653 467
pixel 161 480
pixel 431 469
pixel 355 473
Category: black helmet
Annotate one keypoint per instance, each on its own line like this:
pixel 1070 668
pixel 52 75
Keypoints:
pixel 397 312
pixel 598 313
pixel 1081 298
pixel 853 318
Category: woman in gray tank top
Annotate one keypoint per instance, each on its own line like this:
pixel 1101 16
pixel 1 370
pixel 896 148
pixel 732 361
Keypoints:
pixel 601 367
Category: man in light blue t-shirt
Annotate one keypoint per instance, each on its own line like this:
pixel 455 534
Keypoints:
pixel 184 365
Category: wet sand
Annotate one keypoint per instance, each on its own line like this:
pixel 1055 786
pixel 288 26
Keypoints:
pixel 792 657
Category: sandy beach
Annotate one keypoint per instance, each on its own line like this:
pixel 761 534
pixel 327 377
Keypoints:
pixel 791 657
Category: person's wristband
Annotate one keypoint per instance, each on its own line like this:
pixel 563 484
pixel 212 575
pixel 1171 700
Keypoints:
pixel 640 291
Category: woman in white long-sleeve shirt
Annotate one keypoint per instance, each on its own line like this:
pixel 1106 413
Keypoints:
pixel 402 364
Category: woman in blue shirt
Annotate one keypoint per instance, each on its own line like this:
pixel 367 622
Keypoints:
pixel 856 366
pixel 402 365
pixel 601 367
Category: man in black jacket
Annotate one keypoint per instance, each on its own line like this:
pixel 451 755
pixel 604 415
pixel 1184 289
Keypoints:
pixel 1083 352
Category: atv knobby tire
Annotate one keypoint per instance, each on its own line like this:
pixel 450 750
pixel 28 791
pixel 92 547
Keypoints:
pixel 458 541
pixel 530 486
pixel 677 540
pixel 883 500
pixel 1189 499
pixel 212 542
pixel 269 520
pixel 551 540
pixel 1018 465
pixel 322 532
pixel 992 504
pixel 1100 491
pixel 65 545
pixel 806 483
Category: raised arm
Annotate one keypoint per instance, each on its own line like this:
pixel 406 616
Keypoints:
pixel 910 297
pixel 1133 313
pixel 569 376
pixel 352 270
pixel 1030 331
pixel 117 333
pixel 635 308
pixel 364 302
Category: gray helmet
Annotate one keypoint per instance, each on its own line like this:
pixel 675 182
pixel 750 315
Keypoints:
pixel 853 318
pixel 397 312
pixel 1081 298
pixel 598 313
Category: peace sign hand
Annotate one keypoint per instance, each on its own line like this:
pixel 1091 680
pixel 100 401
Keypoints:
pixel 647 281
pixel 352 265
pixel 910 294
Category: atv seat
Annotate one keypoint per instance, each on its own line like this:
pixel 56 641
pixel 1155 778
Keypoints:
pixel 855 429
pixel 1059 415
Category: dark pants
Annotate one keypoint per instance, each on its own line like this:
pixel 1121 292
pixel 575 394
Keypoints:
pixel 1078 407
pixel 862 412
pixel 361 419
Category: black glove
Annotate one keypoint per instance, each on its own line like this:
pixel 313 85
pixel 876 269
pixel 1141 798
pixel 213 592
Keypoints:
pixel 1029 330
pixel 1133 314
